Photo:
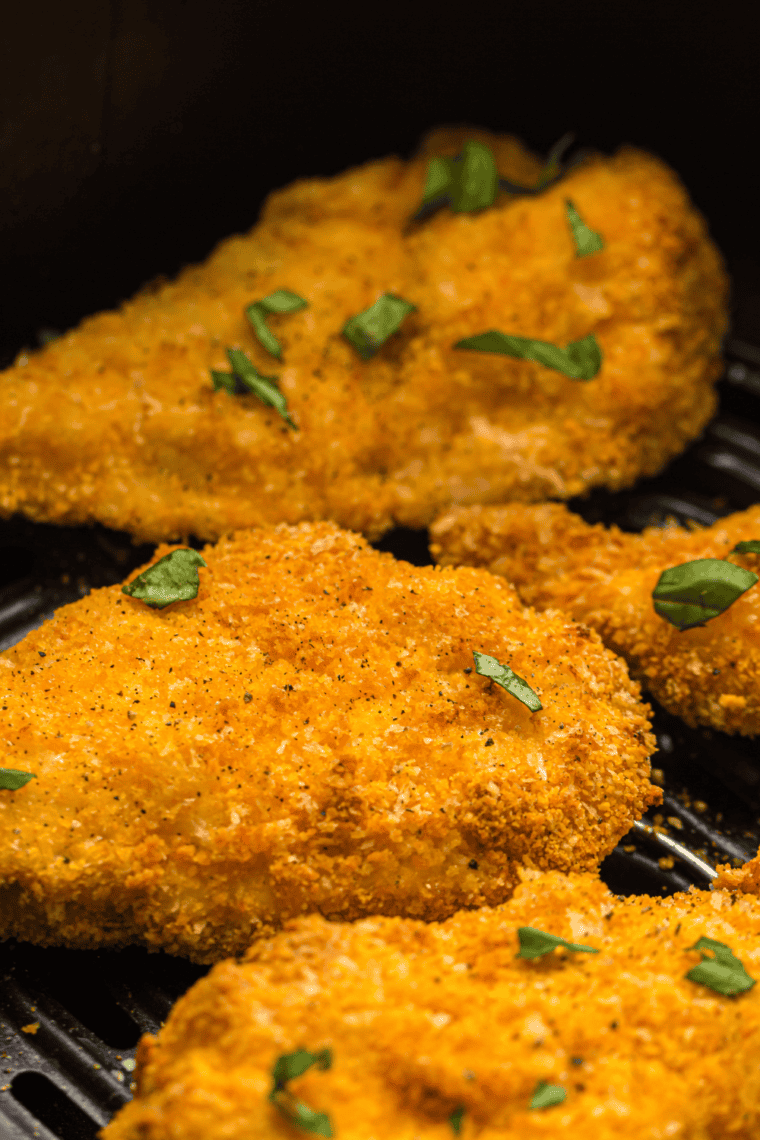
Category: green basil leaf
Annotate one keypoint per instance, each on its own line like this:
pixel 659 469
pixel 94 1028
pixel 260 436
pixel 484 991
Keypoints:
pixel 723 972
pixel 586 241
pixel 11 779
pixel 580 360
pixel 281 301
pixel 546 1095
pixel 585 357
pixel 224 380
pixel 695 592
pixel 439 179
pixel 265 387
pixel 368 331
pixel 552 170
pixel 752 546
pixel 468 182
pixel 300 1114
pixel 476 181
pixel 471 182
pixel 455 1120
pixel 502 674
pixel 292 1065
pixel 174 578
pixel 553 165
pixel 285 1069
pixel 535 943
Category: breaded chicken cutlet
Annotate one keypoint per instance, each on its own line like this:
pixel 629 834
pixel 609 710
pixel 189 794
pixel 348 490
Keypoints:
pixel 708 675
pixel 308 733
pixel 122 422
pixel 435 1030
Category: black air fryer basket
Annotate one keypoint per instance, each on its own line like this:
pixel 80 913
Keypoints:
pixel 71 1019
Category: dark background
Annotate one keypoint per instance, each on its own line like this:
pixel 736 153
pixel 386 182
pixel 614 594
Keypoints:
pixel 137 133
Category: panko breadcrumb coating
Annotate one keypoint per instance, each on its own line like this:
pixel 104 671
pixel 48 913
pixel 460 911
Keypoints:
pixel 118 422
pixel 308 733
pixel 425 1019
pixel 745 878
pixel 709 675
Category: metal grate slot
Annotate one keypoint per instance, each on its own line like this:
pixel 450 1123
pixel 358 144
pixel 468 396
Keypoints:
pixel 82 1042
pixel 87 998
pixel 631 871
pixel 53 1108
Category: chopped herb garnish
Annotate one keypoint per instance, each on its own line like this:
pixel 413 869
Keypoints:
pixel 226 380
pixel 695 592
pixel 174 578
pixel 535 943
pixel 455 1120
pixel 281 301
pixel 11 779
pixel 580 360
pixel 752 546
pixel 553 165
pixel 586 240
pixel 368 331
pixel 439 178
pixel 468 182
pixel 502 674
pixel 475 181
pixel 546 1095
pixel 723 972
pixel 552 170
pixel 286 1068
pixel 265 387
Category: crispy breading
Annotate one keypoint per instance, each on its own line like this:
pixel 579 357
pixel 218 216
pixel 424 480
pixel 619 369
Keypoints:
pixel 425 1019
pixel 709 675
pixel 307 733
pixel 745 878
pixel 118 422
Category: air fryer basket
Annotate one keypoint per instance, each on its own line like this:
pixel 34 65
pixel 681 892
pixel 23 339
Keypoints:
pixel 71 1020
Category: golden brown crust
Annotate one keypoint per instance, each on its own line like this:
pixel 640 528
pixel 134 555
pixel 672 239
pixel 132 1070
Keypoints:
pixel 326 750
pixel 745 878
pixel 117 421
pixel 423 1018
pixel 709 675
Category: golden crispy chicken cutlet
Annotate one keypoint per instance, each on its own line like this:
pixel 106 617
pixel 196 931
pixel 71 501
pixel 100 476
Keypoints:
pixel 122 422
pixel 308 733
pixel 708 674
pixel 427 1031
